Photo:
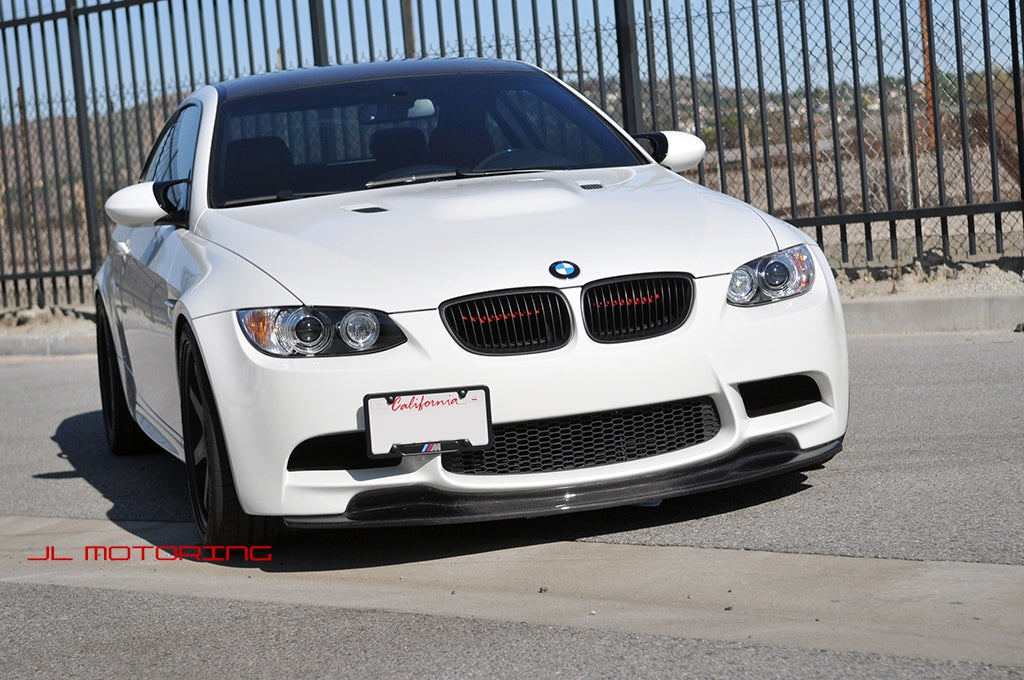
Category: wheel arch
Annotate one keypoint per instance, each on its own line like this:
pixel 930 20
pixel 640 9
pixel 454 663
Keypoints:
pixel 104 307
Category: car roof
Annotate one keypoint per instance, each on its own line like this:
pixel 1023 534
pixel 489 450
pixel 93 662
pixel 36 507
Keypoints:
pixel 283 81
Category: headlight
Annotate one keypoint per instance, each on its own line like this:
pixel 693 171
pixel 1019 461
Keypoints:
pixel 304 331
pixel 773 277
pixel 308 331
pixel 359 329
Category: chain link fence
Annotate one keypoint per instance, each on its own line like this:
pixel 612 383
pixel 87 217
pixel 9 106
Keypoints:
pixel 887 129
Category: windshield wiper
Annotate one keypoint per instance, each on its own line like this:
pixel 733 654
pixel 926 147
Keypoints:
pixel 453 174
pixel 412 178
pixel 252 200
pixel 286 195
pixel 510 171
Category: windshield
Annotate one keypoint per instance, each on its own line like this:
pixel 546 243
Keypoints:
pixel 369 134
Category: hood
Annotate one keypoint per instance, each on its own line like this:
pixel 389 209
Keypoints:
pixel 411 247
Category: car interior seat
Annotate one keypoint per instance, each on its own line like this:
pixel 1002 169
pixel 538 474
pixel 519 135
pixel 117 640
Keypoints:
pixel 459 145
pixel 259 166
pixel 398 147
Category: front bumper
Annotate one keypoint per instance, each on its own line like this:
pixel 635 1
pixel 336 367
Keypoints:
pixel 419 505
pixel 269 406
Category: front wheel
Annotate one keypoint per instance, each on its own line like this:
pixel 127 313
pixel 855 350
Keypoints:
pixel 218 515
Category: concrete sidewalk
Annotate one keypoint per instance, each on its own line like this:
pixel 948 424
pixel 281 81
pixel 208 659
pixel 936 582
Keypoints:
pixel 864 316
pixel 899 314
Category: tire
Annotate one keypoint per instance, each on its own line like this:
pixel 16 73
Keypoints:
pixel 218 515
pixel 124 436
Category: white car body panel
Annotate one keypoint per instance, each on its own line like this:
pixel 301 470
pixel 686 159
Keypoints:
pixel 466 236
pixel 431 242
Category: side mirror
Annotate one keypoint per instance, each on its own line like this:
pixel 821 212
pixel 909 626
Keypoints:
pixel 678 151
pixel 135 206
pixel 145 203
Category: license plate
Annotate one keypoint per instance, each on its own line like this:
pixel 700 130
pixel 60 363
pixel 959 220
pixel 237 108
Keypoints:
pixel 432 421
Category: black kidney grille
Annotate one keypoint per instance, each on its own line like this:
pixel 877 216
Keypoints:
pixel 590 439
pixel 618 310
pixel 509 323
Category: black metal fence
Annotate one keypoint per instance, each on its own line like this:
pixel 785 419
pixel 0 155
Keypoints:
pixel 886 128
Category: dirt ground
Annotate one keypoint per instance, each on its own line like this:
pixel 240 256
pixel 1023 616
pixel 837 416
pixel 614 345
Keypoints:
pixel 934 277
pixel 50 321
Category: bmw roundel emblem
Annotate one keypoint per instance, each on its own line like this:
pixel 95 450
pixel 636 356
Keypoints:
pixel 563 269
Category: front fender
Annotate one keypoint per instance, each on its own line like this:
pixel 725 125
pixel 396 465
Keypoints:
pixel 213 280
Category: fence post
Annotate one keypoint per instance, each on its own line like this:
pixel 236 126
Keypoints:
pixel 408 31
pixel 318 27
pixel 84 138
pixel 1018 94
pixel 629 64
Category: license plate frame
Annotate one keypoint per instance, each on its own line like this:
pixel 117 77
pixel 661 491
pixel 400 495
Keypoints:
pixel 419 422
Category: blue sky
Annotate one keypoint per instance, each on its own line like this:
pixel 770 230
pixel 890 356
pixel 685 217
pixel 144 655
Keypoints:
pixel 139 51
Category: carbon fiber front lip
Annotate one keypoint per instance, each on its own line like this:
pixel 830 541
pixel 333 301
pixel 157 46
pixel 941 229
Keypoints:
pixel 420 505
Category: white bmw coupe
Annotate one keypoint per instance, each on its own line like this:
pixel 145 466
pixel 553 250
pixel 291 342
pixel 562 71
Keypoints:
pixel 451 290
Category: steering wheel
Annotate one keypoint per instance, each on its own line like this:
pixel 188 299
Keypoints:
pixel 505 154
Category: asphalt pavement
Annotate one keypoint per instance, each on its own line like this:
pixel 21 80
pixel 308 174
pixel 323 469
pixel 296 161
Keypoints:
pixel 902 558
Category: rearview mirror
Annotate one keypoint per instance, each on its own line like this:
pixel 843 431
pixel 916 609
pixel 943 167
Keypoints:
pixel 398 107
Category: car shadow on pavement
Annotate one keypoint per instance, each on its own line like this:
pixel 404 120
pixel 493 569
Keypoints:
pixel 149 499
pixel 146 491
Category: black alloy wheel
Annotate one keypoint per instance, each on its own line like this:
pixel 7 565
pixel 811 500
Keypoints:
pixel 124 436
pixel 218 515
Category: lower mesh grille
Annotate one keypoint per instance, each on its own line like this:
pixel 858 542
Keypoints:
pixel 591 439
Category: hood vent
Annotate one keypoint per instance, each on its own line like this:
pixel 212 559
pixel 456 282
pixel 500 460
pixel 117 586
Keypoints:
pixel 591 186
pixel 366 209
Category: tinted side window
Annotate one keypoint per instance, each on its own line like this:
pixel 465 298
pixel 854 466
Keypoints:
pixel 175 152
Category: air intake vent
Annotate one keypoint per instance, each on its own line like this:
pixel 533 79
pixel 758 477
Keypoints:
pixel 775 395
pixel 591 439
pixel 513 322
pixel 631 308
pixel 591 186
